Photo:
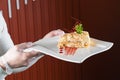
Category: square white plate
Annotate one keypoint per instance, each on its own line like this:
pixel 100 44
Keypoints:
pixel 49 47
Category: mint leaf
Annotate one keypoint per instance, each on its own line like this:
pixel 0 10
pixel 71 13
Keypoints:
pixel 79 28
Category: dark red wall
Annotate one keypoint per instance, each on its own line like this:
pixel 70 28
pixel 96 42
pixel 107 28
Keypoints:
pixel 100 17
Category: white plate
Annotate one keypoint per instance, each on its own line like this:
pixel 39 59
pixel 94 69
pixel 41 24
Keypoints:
pixel 49 47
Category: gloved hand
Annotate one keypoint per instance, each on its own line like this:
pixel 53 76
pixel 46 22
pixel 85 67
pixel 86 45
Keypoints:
pixel 17 58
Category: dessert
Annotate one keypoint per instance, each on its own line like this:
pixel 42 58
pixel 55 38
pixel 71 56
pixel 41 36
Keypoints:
pixel 73 40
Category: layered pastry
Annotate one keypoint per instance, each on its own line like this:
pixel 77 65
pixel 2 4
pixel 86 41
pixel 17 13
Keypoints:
pixel 76 39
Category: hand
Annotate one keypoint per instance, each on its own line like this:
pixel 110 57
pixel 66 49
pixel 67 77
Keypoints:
pixel 17 58
pixel 54 33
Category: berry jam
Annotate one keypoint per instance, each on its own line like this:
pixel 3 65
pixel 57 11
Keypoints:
pixel 61 50
pixel 68 50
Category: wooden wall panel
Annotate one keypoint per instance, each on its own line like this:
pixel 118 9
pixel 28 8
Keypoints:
pixel 22 22
pixel 13 23
pixel 29 21
pixel 37 19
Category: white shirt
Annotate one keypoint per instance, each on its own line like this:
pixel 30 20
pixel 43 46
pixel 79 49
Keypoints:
pixel 5 39
pixel 5 42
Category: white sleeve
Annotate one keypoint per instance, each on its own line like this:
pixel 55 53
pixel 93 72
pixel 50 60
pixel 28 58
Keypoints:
pixel 5 39
pixel 3 74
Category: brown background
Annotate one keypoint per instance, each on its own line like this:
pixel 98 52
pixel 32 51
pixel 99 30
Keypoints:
pixel 100 17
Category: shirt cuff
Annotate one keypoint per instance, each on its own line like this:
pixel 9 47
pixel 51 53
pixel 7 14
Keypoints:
pixel 3 74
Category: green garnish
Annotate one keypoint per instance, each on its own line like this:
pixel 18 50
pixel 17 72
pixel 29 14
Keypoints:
pixel 79 28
